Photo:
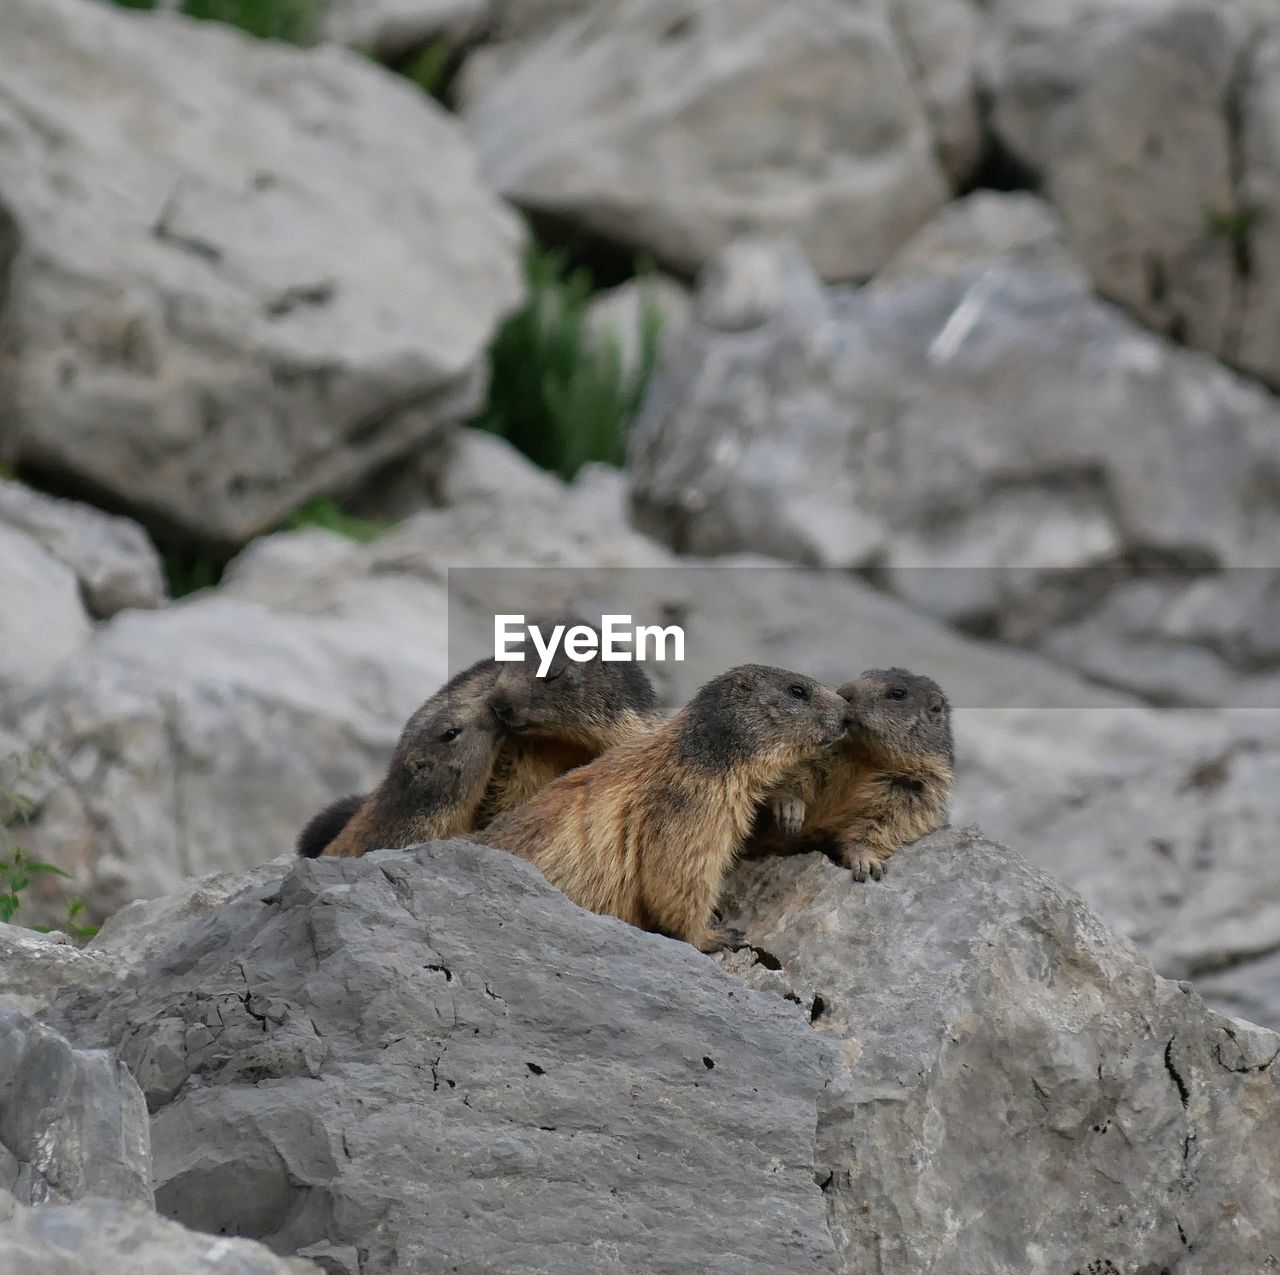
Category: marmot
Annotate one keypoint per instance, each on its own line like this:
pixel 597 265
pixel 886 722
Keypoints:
pixel 562 720
pixel 646 831
pixel 436 780
pixel 884 785
pixel 549 725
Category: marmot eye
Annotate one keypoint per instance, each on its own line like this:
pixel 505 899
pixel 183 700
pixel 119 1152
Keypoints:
pixel 452 733
pixel 800 692
pixel 896 693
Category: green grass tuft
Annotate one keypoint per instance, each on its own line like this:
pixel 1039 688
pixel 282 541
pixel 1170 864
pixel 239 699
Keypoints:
pixel 296 21
pixel 560 398
pixel 328 514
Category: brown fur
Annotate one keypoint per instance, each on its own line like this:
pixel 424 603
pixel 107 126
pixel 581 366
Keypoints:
pixel 884 785
pixel 646 831
pixel 561 721
pixel 437 777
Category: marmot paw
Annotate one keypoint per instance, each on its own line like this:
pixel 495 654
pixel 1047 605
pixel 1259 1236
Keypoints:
pixel 788 814
pixel 863 864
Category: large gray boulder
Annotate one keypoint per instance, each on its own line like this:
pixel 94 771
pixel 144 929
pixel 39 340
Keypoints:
pixel 1152 126
pixel 72 1122
pixel 436 1060
pixel 105 1237
pixel 35 967
pixel 433 1059
pixel 245 273
pixel 1020 1092
pixel 1010 453
pixel 671 129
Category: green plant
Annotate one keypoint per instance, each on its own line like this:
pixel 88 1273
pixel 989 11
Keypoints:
pixel 560 396
pixel 17 866
pixel 1237 226
pixel 297 21
pixel 431 67
pixel 328 514
pixel 188 569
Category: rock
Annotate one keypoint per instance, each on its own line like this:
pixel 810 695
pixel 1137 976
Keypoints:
pixel 393 28
pixel 800 119
pixel 516 1085
pixel 650 308
pixel 43 622
pixel 109 1238
pixel 202 737
pixel 72 1123
pixel 197 326
pixel 1022 1093
pixel 482 466
pixel 35 967
pixel 1092 479
pixel 1180 859
pixel 112 558
pixel 368 1056
pixel 1152 128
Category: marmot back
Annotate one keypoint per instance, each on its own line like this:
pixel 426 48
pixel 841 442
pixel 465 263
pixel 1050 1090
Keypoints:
pixel 885 785
pixel 646 831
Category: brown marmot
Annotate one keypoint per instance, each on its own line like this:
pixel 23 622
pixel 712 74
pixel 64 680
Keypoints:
pixel 646 831
pixel 565 719
pixel 884 785
pixel 434 785
pixel 548 726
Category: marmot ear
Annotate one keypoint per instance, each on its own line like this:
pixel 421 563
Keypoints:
pixel 935 702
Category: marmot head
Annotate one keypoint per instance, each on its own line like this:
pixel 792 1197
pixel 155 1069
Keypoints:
pixel 573 701
pixel 446 752
pixel 899 712
pixel 757 711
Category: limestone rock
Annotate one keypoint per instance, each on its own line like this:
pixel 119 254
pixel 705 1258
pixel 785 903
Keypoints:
pixel 72 1123
pixel 112 558
pixel 672 128
pixel 436 1059
pixel 42 621
pixel 108 1238
pixel 200 322
pixel 1022 1093
pixel 1008 452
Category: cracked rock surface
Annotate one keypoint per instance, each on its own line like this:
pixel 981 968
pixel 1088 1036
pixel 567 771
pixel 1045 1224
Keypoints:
pixel 72 1121
pixel 1021 1093
pixel 433 1059
pixel 202 323
pixel 436 1060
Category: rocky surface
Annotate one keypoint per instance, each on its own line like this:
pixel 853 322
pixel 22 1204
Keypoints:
pixel 1152 128
pixel 433 1058
pixel 1066 1109
pixel 48 626
pixel 515 1086
pixel 802 118
pixel 393 28
pixel 197 325
pixel 1008 452
pixel 35 967
pixel 72 1122
pixel 110 1238
pixel 115 563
